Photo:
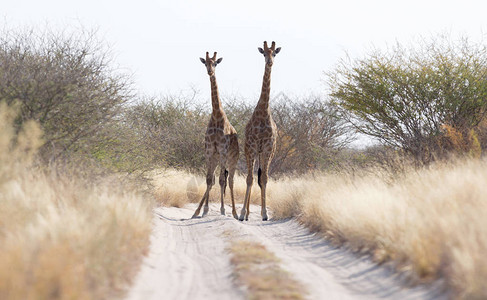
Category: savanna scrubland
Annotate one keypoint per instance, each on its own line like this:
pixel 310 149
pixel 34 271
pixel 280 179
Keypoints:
pixel 84 159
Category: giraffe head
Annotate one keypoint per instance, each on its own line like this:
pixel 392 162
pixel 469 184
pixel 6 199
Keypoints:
pixel 210 63
pixel 269 53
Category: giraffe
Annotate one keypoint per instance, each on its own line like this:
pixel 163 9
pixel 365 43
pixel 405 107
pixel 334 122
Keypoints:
pixel 221 144
pixel 260 137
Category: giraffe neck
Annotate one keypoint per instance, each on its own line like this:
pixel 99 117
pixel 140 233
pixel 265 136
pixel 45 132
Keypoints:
pixel 215 99
pixel 263 103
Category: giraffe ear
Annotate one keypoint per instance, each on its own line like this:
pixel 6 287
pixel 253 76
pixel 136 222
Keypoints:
pixel 202 60
pixel 277 50
pixel 219 60
pixel 261 50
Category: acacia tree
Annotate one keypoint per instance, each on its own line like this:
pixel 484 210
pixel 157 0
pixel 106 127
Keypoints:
pixel 414 98
pixel 169 131
pixel 310 132
pixel 66 82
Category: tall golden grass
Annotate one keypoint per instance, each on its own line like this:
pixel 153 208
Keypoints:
pixel 430 223
pixel 63 237
pixel 178 187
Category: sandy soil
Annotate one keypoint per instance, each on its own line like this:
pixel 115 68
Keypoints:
pixel 188 260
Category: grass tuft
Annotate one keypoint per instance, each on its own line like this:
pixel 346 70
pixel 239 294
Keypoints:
pixel 429 222
pixel 62 236
pixel 258 270
pixel 177 187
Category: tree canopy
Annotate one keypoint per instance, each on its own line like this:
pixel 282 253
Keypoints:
pixel 415 98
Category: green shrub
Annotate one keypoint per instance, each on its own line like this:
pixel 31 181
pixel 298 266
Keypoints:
pixel 64 82
pixel 406 96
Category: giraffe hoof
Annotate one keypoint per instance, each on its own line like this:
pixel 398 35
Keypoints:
pixel 222 211
pixel 264 219
pixel 242 215
pixel 194 216
pixel 235 215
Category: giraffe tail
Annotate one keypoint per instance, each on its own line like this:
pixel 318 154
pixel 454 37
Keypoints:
pixel 259 174
pixel 225 186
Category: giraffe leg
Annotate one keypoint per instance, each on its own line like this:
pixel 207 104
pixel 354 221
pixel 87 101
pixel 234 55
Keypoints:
pixel 210 181
pixel 233 154
pixel 231 173
pixel 263 211
pixel 244 214
pixel 263 181
pixel 248 209
pixel 206 208
pixel 223 185
pixel 205 196
pixel 223 175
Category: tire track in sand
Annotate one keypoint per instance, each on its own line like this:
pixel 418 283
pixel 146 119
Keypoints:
pixel 188 260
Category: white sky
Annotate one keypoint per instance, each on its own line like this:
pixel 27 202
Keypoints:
pixel 161 41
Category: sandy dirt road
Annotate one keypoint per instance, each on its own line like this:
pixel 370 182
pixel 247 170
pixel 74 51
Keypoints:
pixel 188 260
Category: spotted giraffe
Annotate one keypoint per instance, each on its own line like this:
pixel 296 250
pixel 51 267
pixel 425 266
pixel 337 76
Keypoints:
pixel 260 137
pixel 221 144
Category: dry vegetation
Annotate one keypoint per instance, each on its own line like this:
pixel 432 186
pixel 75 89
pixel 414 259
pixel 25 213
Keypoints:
pixel 177 187
pixel 429 223
pixel 172 129
pixel 62 236
pixel 419 208
pixel 69 228
pixel 259 272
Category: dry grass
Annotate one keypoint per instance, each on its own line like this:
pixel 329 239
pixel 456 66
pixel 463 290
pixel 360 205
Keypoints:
pixel 176 188
pixel 258 270
pixel 431 223
pixel 63 237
